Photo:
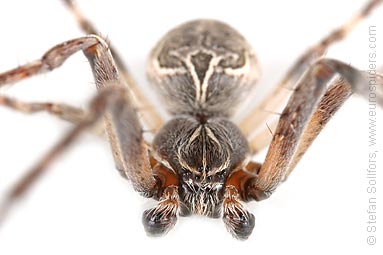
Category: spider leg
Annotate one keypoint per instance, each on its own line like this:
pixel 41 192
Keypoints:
pixel 151 117
pixel 123 129
pixel 314 101
pixel 260 116
pixel 122 125
pixel 63 111
pixel 57 55
pixel 113 100
pixel 52 59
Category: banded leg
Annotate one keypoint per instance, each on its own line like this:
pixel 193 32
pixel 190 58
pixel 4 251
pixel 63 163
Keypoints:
pixel 150 115
pixel 260 116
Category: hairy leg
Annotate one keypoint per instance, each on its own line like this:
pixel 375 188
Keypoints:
pixel 260 116
pixel 150 115
pixel 63 111
pixel 122 126
pixel 113 100
pixel 314 101
pixel 57 55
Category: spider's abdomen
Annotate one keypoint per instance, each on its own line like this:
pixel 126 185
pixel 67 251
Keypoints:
pixel 202 67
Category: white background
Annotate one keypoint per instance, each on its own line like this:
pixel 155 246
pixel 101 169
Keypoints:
pixel 83 206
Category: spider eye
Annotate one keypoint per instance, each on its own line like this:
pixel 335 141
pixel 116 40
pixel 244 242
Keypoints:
pixel 209 178
pixel 222 173
pixel 185 173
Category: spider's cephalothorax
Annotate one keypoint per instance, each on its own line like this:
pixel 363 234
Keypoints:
pixel 202 155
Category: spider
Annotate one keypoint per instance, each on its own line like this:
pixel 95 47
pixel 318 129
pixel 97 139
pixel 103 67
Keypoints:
pixel 200 161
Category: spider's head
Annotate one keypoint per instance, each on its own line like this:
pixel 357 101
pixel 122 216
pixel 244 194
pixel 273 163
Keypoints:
pixel 202 155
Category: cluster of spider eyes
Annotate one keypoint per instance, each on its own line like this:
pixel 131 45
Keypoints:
pixel 188 175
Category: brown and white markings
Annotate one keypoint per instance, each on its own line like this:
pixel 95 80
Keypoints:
pixel 199 161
